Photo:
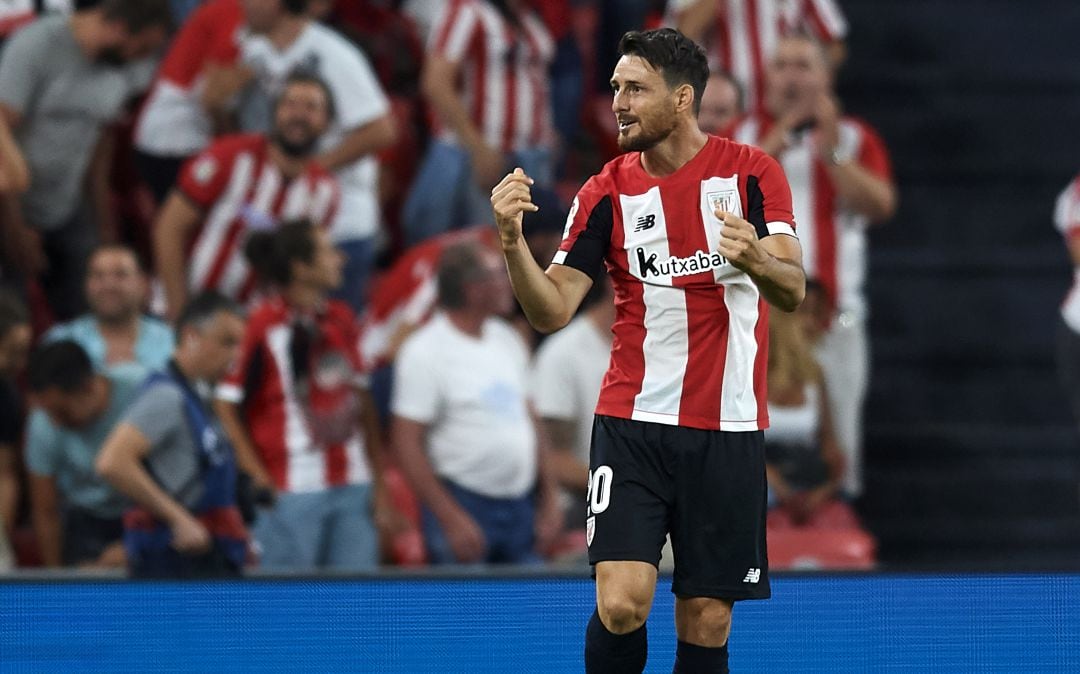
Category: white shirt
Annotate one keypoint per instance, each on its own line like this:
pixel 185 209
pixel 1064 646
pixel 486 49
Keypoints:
pixel 799 425
pixel 1067 222
pixel 567 374
pixel 471 393
pixel 358 99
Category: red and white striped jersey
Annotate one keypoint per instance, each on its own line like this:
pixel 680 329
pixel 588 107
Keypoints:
pixel 302 414
pixel 833 237
pixel 747 32
pixel 173 122
pixel 690 339
pixel 1067 222
pixel 504 72
pixel 239 188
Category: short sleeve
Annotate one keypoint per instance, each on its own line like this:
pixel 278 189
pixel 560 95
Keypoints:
pixel 824 20
pixel 454 30
pixel 19 64
pixel 1067 209
pixel 204 177
pixel 233 388
pixel 42 445
pixel 768 198
pixel 872 154
pixel 415 391
pixel 158 413
pixel 587 236
pixel 358 98
pixel 553 383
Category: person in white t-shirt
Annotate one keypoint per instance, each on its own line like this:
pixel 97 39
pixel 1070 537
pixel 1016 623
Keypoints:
pixel 281 39
pixel 567 373
pixel 462 428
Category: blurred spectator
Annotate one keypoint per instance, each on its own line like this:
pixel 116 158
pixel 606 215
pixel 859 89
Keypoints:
pixel 486 78
pixel 62 82
pixel 841 182
pixel 721 104
pixel 462 428
pixel 742 35
pixel 283 40
pixel 14 175
pixel 76 514
pixel 299 415
pixel 15 14
pixel 175 122
pixel 1067 222
pixel 116 330
pixel 170 455
pixel 567 373
pixel 240 184
pixel 15 339
pixel 804 463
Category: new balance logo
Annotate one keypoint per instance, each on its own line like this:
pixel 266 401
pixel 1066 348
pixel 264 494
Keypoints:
pixel 677 266
pixel 752 576
pixel 645 222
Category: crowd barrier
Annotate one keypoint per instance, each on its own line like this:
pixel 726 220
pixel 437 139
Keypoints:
pixel 523 622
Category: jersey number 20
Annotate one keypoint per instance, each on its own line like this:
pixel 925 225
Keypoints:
pixel 599 491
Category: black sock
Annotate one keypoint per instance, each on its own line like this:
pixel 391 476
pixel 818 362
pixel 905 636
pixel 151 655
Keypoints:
pixel 691 659
pixel 607 653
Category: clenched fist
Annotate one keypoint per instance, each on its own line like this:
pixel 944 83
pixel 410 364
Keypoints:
pixel 510 199
pixel 740 245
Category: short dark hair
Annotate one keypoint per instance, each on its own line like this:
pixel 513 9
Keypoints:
pixel 305 76
pixel 295 7
pixel 676 57
pixel 202 308
pixel 13 311
pixel 458 265
pixel 138 15
pixel 62 364
pixel 272 252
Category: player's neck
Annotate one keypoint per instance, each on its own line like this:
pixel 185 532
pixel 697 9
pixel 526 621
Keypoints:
pixel 672 153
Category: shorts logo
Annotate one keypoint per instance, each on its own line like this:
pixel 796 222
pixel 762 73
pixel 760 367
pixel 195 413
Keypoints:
pixel 726 200
pixel 752 576
pixel 590 529
pixel 645 222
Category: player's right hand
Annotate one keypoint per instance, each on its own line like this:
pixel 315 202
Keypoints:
pixel 190 537
pixel 510 199
pixel 466 538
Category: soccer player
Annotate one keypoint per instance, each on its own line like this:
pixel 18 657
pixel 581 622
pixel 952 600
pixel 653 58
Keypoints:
pixel 697 234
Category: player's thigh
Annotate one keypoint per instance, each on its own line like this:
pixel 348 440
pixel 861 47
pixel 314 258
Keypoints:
pixel 628 507
pixel 718 525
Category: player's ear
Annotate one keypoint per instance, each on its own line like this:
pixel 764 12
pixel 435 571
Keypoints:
pixel 684 97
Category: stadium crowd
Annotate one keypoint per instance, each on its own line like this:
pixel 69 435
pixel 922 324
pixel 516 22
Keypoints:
pixel 253 313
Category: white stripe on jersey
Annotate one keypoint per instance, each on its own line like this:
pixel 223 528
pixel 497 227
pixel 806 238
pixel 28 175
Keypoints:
pixel 738 403
pixel 666 348
pixel 742 54
pixel 305 468
pixel 217 226
pixel 266 193
pixel 726 190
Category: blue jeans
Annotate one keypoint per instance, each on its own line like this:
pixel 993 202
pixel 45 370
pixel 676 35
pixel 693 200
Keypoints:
pixel 444 197
pixel 507 524
pixel 359 261
pixel 331 529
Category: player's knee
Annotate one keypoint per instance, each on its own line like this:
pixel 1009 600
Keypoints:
pixel 621 613
pixel 709 620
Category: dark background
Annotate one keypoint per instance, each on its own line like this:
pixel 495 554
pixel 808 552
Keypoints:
pixel 972 457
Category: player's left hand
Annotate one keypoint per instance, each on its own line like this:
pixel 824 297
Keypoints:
pixel 739 243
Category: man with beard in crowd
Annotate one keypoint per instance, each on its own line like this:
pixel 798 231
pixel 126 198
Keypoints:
pixel 240 184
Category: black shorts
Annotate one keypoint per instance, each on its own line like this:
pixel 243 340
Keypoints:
pixel 706 488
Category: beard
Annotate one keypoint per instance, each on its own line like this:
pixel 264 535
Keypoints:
pixel 297 149
pixel 645 139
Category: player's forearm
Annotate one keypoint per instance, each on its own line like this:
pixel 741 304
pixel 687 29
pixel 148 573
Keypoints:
pixel 781 282
pixel 863 192
pixel 359 143
pixel 539 296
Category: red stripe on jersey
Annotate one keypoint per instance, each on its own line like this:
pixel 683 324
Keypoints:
pixel 707 333
pixel 817 23
pixel 510 77
pixel 825 239
pixel 756 56
pixel 337 465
